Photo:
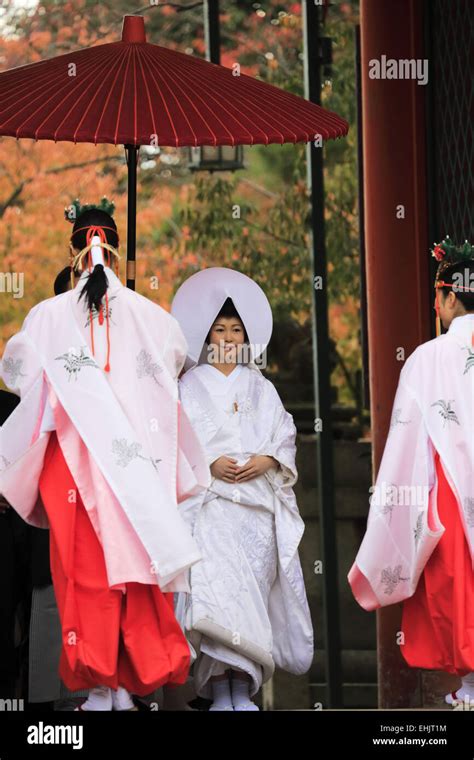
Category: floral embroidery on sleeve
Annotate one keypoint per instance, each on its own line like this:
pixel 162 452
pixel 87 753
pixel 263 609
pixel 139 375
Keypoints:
pixel 126 452
pixel 396 419
pixel 390 578
pixel 12 368
pixel 146 367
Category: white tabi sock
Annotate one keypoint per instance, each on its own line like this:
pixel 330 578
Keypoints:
pixel 221 695
pixel 240 695
pixel 121 699
pixel 466 692
pixel 99 699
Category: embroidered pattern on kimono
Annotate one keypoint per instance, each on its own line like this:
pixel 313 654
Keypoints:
pixel 126 452
pixel 73 363
pixel 106 311
pixel 469 360
pixel 396 419
pixel 448 414
pixel 391 578
pixel 146 367
pixel 12 368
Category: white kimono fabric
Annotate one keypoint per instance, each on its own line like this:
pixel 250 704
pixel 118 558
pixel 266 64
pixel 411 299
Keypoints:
pixel 433 411
pixel 128 445
pixel 248 607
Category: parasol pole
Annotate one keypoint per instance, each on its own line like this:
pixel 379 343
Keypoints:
pixel 131 152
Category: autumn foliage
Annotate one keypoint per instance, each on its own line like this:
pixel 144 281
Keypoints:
pixel 185 222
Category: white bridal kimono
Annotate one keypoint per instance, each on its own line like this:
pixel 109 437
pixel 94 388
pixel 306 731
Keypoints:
pixel 248 608
pixel 433 411
pixel 128 445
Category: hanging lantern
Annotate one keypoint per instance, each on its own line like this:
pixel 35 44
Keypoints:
pixel 216 158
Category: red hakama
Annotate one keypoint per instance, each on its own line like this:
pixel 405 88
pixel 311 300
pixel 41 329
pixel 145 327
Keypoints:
pixel 438 620
pixel 110 638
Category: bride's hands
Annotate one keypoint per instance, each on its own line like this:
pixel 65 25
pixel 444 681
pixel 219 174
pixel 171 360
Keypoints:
pixel 224 468
pixel 255 466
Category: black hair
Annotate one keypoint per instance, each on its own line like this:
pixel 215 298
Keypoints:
pixel 228 310
pixel 62 281
pixel 466 297
pixel 96 283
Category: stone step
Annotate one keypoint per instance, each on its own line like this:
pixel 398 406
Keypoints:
pixel 361 695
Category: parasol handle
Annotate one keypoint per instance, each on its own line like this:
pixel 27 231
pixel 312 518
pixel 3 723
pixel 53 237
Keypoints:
pixel 132 156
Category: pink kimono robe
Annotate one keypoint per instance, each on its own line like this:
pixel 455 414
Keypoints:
pixel 111 454
pixel 419 544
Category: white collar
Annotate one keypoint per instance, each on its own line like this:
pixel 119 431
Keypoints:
pixel 464 323
pixel 219 376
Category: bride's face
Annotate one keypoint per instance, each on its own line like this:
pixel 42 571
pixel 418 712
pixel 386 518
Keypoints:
pixel 227 334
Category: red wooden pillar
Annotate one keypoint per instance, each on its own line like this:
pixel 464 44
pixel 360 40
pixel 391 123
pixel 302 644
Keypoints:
pixel 396 254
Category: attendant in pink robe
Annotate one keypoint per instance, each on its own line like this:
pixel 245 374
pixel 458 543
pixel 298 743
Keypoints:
pixel 100 452
pixel 419 544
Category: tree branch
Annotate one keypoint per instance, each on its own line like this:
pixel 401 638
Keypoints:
pixel 257 187
pixel 81 165
pixel 13 197
pixel 272 234
pixel 54 170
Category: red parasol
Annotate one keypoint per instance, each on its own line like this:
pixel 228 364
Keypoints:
pixel 135 93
